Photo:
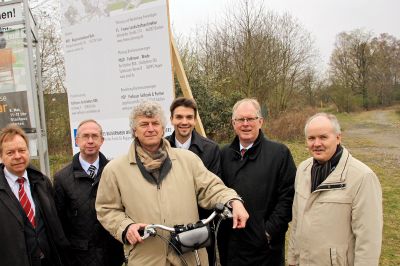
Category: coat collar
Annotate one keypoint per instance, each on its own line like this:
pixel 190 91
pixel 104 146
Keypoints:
pixel 78 170
pixel 250 153
pixel 195 141
pixel 337 178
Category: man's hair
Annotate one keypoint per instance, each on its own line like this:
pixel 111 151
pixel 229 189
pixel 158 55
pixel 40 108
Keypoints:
pixel 9 132
pixel 89 121
pixel 253 101
pixel 148 109
pixel 186 102
pixel 332 118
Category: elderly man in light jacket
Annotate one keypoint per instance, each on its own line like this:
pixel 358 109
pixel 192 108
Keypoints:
pixel 337 210
pixel 155 183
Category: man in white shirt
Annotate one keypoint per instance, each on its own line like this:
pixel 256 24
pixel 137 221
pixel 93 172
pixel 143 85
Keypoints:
pixel 76 190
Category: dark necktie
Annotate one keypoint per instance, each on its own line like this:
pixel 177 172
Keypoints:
pixel 92 171
pixel 243 151
pixel 25 203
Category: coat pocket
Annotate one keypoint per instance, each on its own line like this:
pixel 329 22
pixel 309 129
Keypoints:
pixel 338 256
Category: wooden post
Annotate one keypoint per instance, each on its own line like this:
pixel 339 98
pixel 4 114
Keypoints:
pixel 183 82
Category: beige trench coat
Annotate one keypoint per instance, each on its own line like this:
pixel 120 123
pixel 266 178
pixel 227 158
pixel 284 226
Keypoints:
pixel 125 197
pixel 341 222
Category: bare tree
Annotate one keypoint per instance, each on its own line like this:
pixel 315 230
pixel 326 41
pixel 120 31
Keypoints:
pixel 255 53
pixel 46 13
pixel 351 62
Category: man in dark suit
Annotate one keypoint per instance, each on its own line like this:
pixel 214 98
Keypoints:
pixel 76 190
pixel 184 118
pixel 262 172
pixel 30 231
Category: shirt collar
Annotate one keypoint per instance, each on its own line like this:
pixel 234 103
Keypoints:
pixel 247 148
pixel 85 165
pixel 185 145
pixel 13 178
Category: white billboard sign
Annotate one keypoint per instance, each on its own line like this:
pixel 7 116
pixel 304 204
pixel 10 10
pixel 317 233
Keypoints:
pixel 117 54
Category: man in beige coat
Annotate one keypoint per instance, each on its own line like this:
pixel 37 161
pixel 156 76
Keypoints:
pixel 157 184
pixel 337 209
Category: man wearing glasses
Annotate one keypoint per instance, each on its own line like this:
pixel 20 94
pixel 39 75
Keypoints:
pixel 262 172
pixel 76 190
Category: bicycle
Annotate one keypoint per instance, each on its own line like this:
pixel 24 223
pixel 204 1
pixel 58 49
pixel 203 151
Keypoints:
pixel 190 237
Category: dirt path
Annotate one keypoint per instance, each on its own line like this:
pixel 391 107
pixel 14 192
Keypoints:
pixel 374 134
pixel 374 138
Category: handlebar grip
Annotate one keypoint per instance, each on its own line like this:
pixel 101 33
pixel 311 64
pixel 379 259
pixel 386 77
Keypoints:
pixel 141 232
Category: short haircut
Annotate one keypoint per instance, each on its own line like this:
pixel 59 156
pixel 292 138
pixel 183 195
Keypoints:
pixel 148 109
pixel 332 118
pixel 183 101
pixel 9 132
pixel 253 101
pixel 89 121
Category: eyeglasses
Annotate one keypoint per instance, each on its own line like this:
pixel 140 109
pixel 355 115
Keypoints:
pixel 86 137
pixel 246 119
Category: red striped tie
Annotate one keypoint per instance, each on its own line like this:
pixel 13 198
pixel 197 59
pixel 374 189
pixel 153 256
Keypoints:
pixel 25 203
pixel 243 151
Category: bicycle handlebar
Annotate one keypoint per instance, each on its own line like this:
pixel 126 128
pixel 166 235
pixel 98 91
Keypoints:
pixel 219 210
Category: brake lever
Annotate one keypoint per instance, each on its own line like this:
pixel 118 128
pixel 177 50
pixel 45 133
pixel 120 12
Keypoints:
pixel 226 214
pixel 148 231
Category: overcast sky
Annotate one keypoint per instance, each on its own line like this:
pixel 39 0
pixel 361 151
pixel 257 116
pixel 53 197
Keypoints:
pixel 324 19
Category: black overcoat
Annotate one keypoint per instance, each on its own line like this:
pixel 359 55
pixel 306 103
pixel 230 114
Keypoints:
pixel 13 250
pixel 264 178
pixel 75 199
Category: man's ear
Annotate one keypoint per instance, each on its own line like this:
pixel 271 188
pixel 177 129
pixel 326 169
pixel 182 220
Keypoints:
pixel 339 138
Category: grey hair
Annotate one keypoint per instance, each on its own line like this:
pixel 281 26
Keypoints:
pixel 89 121
pixel 332 118
pixel 253 101
pixel 147 109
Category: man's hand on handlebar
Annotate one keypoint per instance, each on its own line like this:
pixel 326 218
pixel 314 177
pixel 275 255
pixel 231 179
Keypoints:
pixel 132 234
pixel 239 213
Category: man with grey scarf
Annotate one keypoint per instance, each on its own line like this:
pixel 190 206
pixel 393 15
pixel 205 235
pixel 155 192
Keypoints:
pixel 157 184
pixel 337 209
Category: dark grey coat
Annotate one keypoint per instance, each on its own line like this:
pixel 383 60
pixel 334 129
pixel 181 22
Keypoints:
pixel 75 199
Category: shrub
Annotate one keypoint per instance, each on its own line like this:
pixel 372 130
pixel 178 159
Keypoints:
pixel 289 125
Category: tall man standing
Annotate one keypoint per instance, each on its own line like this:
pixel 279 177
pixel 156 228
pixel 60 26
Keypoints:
pixel 30 231
pixel 154 183
pixel 76 189
pixel 184 118
pixel 262 172
pixel 337 209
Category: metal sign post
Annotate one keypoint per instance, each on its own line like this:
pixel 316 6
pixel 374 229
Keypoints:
pixel 16 17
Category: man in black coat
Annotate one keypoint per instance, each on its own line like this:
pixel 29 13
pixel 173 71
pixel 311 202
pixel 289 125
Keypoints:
pixel 262 172
pixel 30 231
pixel 76 189
pixel 183 118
